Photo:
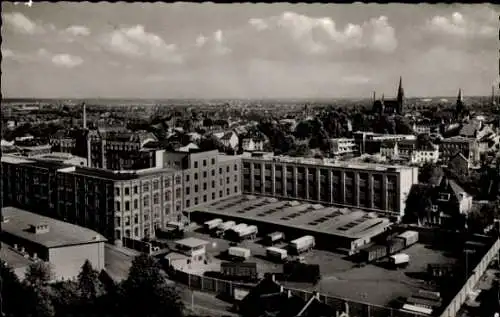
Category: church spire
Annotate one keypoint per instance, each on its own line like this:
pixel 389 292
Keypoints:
pixel 460 98
pixel 401 96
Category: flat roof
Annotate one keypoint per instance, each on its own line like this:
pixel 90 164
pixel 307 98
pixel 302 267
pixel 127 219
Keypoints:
pixel 60 233
pixel 191 242
pixel 325 162
pixel 226 158
pixel 344 222
pixel 117 175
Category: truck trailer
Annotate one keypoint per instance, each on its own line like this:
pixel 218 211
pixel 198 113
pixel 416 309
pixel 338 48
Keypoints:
pixel 410 237
pixel 223 227
pixel 276 254
pixel 249 232
pixel 399 260
pixel 302 244
pixel 238 253
pixel 212 224
pixel 274 237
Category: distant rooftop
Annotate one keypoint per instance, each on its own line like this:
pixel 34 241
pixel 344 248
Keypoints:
pixel 116 175
pixel 268 156
pixel 345 222
pixel 191 242
pixel 60 233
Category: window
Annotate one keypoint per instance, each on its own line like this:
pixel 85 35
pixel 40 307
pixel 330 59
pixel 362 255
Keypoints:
pixel 156 199
pixel 235 178
pixel 204 163
pixel 127 206
pixel 213 196
pixel 145 201
pixel 204 186
pixel 177 193
pixel 213 184
pixel 220 193
pixel 187 178
pixel 196 164
pixel 227 180
pixel 221 182
pixel 156 185
pixel 127 191
pixel 188 190
pixel 167 182
pixel 167 210
pixel 235 189
pixel 136 231
pixel 213 172
pixel 220 170
pixel 136 204
pixel 204 198
pixel 136 190
pixel 145 187
pixel 196 200
pixel 205 174
pixel 177 207
pixel 213 161
pixel 188 203
pixel 168 195
pixel 235 167
pixel 195 176
pixel 117 205
pixel 118 222
pixel 146 217
pixel 227 191
pixel 118 234
pixel 195 188
pixel 127 221
pixel 227 169
pixel 136 219
pixel 178 180
pixel 117 191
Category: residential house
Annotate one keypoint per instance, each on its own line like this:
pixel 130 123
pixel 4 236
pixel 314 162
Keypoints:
pixel 425 153
pixel 389 149
pixel 228 139
pixel 252 144
pixel 343 146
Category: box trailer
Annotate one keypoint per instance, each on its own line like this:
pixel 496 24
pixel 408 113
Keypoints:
pixel 239 271
pixel 373 253
pixel 302 244
pixel 274 237
pixel 249 232
pixel 212 224
pixel 410 237
pixel 235 232
pixel 276 253
pixel 399 260
pixel 238 253
pixel 223 227
pixel 395 245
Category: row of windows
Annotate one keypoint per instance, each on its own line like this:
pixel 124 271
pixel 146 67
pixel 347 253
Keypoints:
pixel 145 186
pixel 196 201
pixel 146 200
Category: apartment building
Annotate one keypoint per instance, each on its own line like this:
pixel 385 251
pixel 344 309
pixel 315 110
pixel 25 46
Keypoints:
pixel 372 187
pixel 343 146
pixel 449 147
pixel 370 142
pixel 120 203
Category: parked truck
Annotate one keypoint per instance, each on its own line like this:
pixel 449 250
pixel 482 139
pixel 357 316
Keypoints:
pixel 212 224
pixel 223 227
pixel 410 237
pixel 373 253
pixel 276 254
pixel 238 253
pixel 249 232
pixel 234 232
pixel 399 260
pixel 274 237
pixel 302 244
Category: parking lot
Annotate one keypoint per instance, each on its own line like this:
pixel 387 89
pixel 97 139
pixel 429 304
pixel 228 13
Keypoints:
pixel 372 283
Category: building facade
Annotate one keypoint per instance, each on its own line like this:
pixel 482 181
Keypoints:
pixel 449 147
pixel 379 188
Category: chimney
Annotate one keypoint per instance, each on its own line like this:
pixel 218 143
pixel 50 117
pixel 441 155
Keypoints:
pixel 84 116
pixel 288 293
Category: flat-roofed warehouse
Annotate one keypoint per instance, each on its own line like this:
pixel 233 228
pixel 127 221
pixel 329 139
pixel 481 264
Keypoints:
pixel 64 245
pixel 337 228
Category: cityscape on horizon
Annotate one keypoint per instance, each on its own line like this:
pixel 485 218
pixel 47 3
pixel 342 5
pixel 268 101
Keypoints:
pixel 250 51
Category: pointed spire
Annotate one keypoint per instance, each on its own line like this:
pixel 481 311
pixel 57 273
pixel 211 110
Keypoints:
pixel 460 98
pixel 382 97
pixel 374 96
pixel 401 92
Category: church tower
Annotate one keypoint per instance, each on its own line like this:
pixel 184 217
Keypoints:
pixel 401 96
pixel 460 107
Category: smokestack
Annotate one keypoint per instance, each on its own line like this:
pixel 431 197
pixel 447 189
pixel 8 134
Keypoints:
pixel 84 115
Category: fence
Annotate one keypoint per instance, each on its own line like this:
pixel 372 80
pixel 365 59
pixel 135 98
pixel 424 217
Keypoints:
pixel 454 306
pixel 340 305
pixel 138 245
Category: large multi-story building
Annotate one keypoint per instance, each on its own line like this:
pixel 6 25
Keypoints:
pixel 120 203
pixel 370 142
pixel 372 187
pixel 449 147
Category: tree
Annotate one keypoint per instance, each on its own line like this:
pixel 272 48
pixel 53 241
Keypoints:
pixel 12 290
pixel 38 302
pixel 65 298
pixel 146 292
pixel 89 285
pixel 39 273
pixel 430 173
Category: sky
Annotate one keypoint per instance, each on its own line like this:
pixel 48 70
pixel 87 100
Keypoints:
pixel 188 50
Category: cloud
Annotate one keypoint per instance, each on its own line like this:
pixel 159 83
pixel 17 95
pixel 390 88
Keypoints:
pixel 320 35
pixel 20 23
pixel 66 60
pixel 6 53
pixel 78 30
pixel 356 79
pixel 457 24
pixel 215 43
pixel 136 42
